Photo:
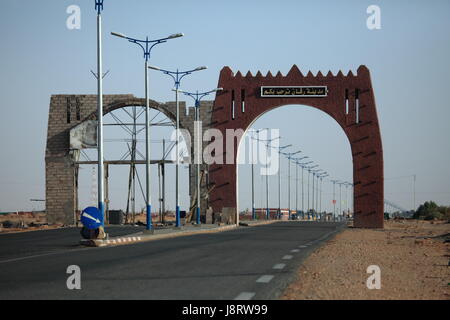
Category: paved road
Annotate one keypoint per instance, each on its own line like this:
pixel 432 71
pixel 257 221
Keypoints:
pixel 248 262
pixel 23 244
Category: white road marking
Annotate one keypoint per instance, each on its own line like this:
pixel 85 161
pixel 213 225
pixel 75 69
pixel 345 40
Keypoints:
pixel 265 279
pixel 44 254
pixel 302 246
pixel 287 257
pixel 111 241
pixel 58 252
pixel 295 250
pixel 279 266
pixel 245 296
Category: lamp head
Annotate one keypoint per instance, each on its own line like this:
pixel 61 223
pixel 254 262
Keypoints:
pixel 175 35
pixel 117 34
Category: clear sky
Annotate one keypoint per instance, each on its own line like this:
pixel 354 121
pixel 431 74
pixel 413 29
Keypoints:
pixel 407 57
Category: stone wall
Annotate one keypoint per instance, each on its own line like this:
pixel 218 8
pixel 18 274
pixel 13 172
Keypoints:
pixel 66 112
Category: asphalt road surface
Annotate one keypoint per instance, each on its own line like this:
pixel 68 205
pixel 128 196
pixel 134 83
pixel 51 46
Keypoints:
pixel 244 263
pixel 25 244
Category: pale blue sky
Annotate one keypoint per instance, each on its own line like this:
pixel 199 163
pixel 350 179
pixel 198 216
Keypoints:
pixel 408 60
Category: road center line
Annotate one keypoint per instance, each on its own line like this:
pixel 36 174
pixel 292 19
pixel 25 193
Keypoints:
pixel 295 250
pixel 265 279
pixel 287 257
pixel 44 254
pixel 279 266
pixel 245 296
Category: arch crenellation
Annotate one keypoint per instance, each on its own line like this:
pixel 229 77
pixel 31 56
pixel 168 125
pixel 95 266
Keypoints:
pixel 362 71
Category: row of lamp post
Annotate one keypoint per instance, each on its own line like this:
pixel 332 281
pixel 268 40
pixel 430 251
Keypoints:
pixel 318 175
pixel 146 45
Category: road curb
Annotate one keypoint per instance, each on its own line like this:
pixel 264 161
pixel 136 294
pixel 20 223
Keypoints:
pixel 140 237
pixel 255 224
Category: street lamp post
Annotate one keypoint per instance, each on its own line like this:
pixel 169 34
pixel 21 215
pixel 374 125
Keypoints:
pixel 279 177
pixel 197 98
pixel 296 189
pixel 318 173
pixel 303 192
pixel 347 184
pixel 323 175
pixel 253 179
pixel 319 195
pixel 177 76
pixel 321 184
pixel 414 192
pixel 340 199
pixel 312 190
pixel 309 174
pixel 334 198
pixel 289 156
pixel 303 183
pixel 100 172
pixel 147 46
pixel 297 162
pixel 267 144
pixel 346 198
pixel 314 193
pixel 253 170
pixel 352 190
pixel 307 189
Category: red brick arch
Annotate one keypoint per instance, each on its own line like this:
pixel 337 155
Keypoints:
pixel 364 136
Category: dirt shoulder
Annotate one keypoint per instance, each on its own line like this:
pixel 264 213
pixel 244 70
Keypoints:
pixel 412 256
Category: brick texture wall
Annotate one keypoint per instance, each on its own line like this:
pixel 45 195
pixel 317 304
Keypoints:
pixel 364 135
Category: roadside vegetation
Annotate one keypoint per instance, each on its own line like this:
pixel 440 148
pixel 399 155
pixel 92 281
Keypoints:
pixel 431 211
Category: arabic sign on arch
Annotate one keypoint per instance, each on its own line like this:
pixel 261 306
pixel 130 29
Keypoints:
pixel 294 91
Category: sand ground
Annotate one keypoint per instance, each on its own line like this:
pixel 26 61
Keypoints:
pixel 413 258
